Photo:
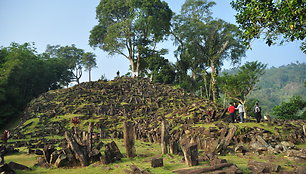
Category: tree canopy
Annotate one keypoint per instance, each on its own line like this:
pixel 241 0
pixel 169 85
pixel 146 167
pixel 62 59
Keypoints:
pixel 204 43
pixel 272 19
pixel 130 28
pixel 295 108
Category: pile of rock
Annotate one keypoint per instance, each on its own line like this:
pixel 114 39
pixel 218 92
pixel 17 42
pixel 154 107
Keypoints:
pixel 111 103
pixel 80 149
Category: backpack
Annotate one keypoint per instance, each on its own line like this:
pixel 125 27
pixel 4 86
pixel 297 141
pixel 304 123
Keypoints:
pixel 257 109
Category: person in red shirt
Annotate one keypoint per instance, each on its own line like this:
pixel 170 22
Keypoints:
pixel 231 109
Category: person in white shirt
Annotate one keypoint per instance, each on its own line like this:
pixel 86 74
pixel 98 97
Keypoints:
pixel 240 108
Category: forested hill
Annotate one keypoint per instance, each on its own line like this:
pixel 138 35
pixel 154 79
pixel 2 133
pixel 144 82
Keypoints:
pixel 279 84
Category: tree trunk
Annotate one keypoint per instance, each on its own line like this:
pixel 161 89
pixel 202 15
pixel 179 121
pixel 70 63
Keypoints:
pixel 137 65
pixel 213 81
pixel 194 77
pixel 89 72
pixel 206 85
pixel 132 66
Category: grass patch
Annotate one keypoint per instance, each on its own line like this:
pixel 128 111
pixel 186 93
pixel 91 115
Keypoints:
pixel 241 163
pixel 21 158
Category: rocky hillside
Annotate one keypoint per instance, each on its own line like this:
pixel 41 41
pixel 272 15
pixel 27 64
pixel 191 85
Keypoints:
pixel 107 104
pixel 99 109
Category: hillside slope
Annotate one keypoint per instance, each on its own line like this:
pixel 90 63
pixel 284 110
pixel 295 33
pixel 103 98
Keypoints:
pixel 280 84
pixel 107 104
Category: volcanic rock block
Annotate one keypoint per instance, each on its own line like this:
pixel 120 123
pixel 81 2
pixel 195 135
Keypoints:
pixel 54 156
pixel 16 166
pixel 300 170
pixel 191 154
pixel 6 169
pixel 62 160
pixel 112 153
pixel 94 155
pixel 203 170
pixel 99 145
pixel 38 152
pixel 129 139
pixel 297 155
pixel 164 137
pixel 1 158
pixel 216 161
pixel 174 147
pixel 157 162
pixel 136 170
pixel 80 153
pixel 260 167
pixel 47 151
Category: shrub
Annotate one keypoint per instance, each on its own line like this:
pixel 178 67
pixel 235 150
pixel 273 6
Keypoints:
pixel 291 109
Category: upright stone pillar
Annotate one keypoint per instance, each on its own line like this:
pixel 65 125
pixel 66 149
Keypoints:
pixel 191 154
pixel 129 139
pixel 89 137
pixel 164 137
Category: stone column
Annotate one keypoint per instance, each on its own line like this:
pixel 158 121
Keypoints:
pixel 164 137
pixel 129 139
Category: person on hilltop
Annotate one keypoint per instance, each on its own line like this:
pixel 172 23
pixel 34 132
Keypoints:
pixel 257 112
pixel 231 109
pixel 240 109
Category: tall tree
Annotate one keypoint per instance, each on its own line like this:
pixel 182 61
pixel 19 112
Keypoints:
pixel 239 86
pixel 220 41
pixel 130 28
pixel 72 57
pixel 272 19
pixel 89 62
pixel 187 26
pixel 205 43
pixel 159 69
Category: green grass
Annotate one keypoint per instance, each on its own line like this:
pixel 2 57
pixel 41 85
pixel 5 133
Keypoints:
pixel 241 163
pixel 21 158
pixel 301 146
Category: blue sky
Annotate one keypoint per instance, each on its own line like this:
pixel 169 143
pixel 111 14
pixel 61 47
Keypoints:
pixel 66 22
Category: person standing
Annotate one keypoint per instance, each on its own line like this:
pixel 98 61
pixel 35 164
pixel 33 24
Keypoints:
pixel 231 109
pixel 240 108
pixel 257 112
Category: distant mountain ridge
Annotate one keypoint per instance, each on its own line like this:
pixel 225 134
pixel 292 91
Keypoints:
pixel 280 84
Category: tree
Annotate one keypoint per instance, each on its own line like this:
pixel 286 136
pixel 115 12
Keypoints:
pixel 187 26
pixel 72 58
pixel 24 74
pixel 205 43
pixel 159 69
pixel 89 62
pixel 239 86
pixel 272 19
pixel 290 110
pixel 130 28
pixel 221 41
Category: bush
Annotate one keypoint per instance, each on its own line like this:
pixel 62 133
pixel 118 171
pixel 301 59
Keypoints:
pixel 291 109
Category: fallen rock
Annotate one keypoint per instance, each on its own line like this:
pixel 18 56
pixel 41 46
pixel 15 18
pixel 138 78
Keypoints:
pixel 136 170
pixel 16 166
pixel 260 167
pixel 297 155
pixel 157 162
pixel 202 170
pixel 6 169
